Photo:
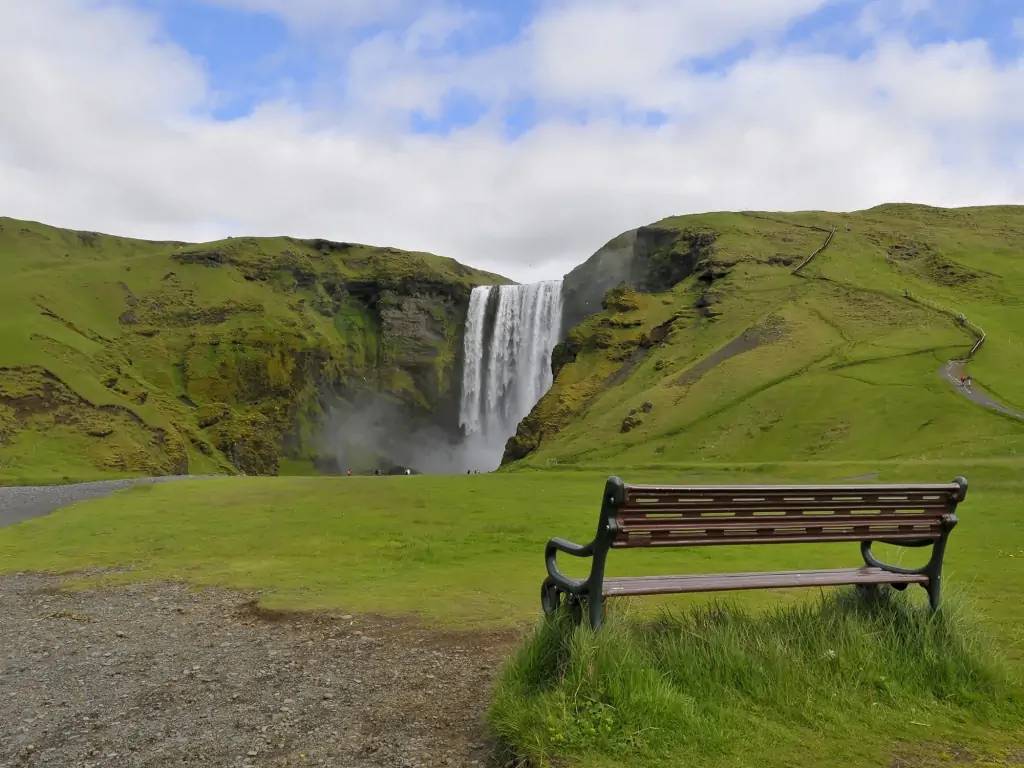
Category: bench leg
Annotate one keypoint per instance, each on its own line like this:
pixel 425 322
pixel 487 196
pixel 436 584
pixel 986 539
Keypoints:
pixel 550 596
pixel 934 571
pixel 595 608
pixel 868 592
pixel 934 589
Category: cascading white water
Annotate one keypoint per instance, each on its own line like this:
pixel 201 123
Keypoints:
pixel 510 333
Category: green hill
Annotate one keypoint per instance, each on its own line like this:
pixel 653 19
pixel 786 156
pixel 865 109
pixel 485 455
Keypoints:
pixel 725 355
pixel 121 356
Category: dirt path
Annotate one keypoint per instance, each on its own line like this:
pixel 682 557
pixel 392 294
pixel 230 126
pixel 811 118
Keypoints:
pixel 159 675
pixel 954 369
pixel 19 503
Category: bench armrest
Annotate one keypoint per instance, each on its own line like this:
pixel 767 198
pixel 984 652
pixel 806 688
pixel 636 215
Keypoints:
pixel 563 545
pixel 551 551
pixel 938 547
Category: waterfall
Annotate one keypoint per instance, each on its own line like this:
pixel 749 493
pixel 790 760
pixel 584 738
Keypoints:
pixel 510 333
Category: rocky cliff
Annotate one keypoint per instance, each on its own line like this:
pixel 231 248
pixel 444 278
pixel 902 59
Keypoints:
pixel 125 356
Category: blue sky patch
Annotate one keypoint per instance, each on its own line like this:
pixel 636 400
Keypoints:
pixel 252 58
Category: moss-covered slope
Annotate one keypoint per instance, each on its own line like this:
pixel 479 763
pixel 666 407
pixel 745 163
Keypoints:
pixel 121 356
pixel 719 352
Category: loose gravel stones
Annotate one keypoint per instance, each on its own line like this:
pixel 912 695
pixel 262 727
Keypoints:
pixel 161 675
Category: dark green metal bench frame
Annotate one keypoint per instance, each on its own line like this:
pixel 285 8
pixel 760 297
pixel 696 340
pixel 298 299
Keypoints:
pixel 912 515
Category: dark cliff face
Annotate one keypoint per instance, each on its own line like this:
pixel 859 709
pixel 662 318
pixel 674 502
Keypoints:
pixel 649 259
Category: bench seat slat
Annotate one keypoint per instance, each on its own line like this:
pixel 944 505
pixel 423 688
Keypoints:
pixel 719 582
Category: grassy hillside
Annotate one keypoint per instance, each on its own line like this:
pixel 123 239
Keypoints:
pixel 121 356
pixel 743 360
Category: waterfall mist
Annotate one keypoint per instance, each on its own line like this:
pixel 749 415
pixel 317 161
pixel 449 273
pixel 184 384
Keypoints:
pixel 510 333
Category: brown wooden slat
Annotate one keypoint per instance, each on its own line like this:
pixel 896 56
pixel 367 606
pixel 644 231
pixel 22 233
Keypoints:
pixel 786 502
pixel 871 489
pixel 793 509
pixel 624 542
pixel 630 515
pixel 685 524
pixel 688 494
pixel 863 531
pixel 717 582
pixel 859 534
pixel 774 530
pixel 779 505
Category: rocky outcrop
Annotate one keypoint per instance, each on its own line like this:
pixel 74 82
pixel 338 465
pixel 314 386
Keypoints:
pixel 650 259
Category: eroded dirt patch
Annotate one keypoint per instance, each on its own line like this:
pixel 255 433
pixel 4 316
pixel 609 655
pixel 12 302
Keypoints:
pixel 159 674
pixel 768 332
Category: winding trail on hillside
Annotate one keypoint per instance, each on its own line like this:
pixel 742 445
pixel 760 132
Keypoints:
pixel 22 502
pixel 952 373
pixel 954 370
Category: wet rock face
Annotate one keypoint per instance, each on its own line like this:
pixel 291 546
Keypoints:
pixel 415 328
pixel 649 259
pixel 584 287
pixel 565 352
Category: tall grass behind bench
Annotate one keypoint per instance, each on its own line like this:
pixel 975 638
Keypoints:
pixel 720 681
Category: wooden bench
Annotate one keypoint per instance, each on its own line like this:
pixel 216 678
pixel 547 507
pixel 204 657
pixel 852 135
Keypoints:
pixel 698 516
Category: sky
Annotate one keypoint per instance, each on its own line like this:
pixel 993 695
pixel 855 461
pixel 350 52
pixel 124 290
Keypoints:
pixel 514 135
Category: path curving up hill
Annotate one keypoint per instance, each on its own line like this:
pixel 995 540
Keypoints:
pixel 952 373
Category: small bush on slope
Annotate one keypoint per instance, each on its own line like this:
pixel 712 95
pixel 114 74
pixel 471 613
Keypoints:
pixel 723 685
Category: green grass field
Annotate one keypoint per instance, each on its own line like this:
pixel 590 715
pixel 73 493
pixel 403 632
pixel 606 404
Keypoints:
pixel 466 552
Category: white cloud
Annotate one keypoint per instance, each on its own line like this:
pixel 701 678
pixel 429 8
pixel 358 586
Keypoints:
pixel 104 128
pixel 880 16
pixel 612 49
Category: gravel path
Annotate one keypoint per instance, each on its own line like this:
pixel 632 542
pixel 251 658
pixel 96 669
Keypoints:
pixel 19 503
pixel 954 369
pixel 161 675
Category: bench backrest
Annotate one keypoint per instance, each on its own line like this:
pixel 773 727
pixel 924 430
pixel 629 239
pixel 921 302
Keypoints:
pixel 679 516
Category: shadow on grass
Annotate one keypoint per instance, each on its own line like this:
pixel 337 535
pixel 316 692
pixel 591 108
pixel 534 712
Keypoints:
pixel 715 684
